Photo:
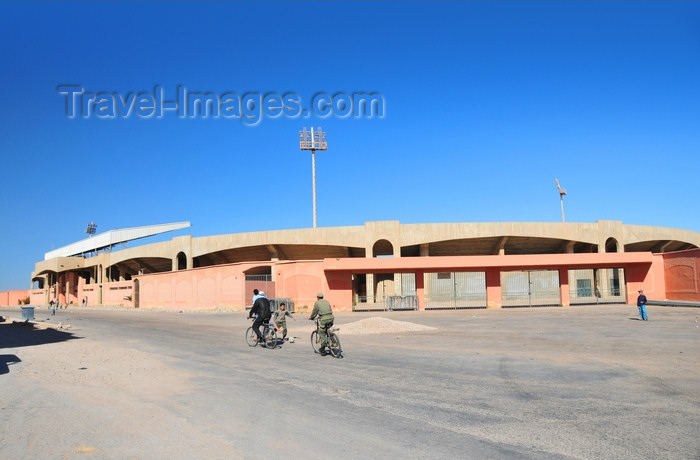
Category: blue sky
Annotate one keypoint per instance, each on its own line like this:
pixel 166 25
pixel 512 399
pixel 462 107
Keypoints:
pixel 485 104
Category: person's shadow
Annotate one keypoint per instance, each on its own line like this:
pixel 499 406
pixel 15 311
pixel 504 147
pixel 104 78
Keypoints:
pixel 5 361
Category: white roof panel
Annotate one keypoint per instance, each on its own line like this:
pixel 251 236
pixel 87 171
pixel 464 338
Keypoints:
pixel 112 237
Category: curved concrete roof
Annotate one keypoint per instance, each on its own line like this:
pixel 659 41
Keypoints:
pixel 389 238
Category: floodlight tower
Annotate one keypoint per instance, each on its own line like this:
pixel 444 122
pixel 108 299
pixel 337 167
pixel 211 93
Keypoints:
pixel 562 192
pixel 313 140
pixel 91 228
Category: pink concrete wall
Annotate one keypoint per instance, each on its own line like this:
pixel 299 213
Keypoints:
pixel 224 286
pixel 301 281
pixel 12 298
pixel 115 293
pixel 91 292
pixel 682 274
pixel 650 278
pixel 38 297
pixel 220 286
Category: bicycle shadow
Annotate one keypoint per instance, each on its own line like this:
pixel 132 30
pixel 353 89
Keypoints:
pixel 278 343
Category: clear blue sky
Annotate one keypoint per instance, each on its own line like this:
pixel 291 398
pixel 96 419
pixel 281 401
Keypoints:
pixel 485 104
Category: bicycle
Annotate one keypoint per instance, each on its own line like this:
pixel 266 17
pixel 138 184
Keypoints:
pixel 269 336
pixel 333 341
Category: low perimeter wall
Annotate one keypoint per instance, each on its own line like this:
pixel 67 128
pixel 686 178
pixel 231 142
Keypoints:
pixel 10 298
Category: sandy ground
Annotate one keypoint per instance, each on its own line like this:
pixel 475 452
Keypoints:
pixel 554 383
pixel 114 375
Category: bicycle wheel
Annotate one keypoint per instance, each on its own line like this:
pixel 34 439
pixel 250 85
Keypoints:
pixel 334 345
pixel 271 338
pixel 250 337
pixel 315 341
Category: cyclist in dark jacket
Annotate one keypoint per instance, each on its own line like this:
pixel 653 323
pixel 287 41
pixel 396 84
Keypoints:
pixel 261 308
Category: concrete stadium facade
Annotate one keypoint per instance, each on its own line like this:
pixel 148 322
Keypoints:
pixel 385 265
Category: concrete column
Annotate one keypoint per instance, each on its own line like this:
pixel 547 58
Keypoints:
pixel 370 287
pixel 493 288
pixel 47 290
pixel 564 290
pixel 502 246
pixel 570 247
pixel 420 289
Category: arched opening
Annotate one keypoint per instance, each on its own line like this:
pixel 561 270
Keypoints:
pixel 611 245
pixel 181 261
pixel 136 297
pixel 259 278
pixel 382 248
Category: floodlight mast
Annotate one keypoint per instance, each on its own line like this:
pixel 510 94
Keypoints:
pixel 91 228
pixel 310 140
pixel 562 192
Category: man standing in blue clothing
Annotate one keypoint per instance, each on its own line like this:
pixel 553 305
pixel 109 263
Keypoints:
pixel 642 305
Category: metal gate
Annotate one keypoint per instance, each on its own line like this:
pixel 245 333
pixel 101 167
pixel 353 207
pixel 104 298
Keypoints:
pixel 262 283
pixel 597 285
pixel 397 302
pixel 389 291
pixel 530 288
pixel 453 290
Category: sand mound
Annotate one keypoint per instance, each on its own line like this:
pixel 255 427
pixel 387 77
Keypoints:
pixel 377 325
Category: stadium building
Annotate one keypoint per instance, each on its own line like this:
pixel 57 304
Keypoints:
pixel 382 265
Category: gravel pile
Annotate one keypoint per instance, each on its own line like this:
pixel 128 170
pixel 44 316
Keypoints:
pixel 378 325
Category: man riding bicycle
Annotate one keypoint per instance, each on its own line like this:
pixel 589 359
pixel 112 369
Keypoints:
pixel 261 308
pixel 322 309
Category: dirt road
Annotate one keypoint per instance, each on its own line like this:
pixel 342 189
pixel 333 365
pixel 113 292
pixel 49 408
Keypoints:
pixel 577 382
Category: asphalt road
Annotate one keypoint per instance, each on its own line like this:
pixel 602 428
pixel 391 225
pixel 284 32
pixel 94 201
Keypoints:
pixel 550 383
